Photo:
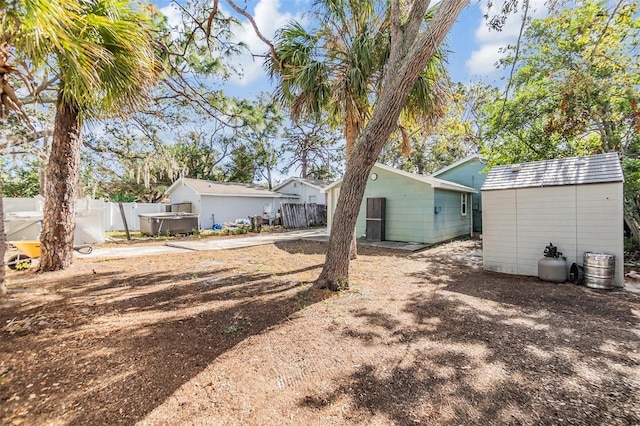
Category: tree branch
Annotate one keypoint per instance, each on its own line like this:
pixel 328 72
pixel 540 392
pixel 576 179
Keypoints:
pixel 416 18
pixel 515 60
pixel 15 140
pixel 266 41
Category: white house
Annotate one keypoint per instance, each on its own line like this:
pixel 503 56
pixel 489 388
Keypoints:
pixel 219 202
pixel 575 203
pixel 308 190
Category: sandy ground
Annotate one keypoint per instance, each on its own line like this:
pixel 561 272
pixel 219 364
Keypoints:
pixel 238 337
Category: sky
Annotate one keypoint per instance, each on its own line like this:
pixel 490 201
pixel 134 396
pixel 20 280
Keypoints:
pixel 474 49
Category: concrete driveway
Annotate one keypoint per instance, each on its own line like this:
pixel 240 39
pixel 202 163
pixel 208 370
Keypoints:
pixel 206 245
pixel 260 239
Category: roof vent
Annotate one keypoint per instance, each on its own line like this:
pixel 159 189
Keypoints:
pixel 515 167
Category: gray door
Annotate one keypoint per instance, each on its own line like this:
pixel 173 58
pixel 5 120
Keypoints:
pixel 376 209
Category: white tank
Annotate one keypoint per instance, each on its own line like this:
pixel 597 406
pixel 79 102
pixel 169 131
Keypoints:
pixel 552 269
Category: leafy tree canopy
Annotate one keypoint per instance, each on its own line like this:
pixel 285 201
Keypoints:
pixel 575 88
pixel 457 135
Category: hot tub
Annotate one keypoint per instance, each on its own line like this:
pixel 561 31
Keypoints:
pixel 171 223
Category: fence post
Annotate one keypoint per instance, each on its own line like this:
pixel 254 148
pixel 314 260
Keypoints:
pixel 124 220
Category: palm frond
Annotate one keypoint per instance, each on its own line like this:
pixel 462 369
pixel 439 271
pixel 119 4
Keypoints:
pixel 339 67
pixel 101 50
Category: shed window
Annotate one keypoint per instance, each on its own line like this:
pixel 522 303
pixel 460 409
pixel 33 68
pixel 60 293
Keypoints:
pixel 312 199
pixel 463 204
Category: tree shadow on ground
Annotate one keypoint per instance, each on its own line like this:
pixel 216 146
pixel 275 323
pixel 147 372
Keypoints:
pixel 109 347
pixel 485 348
pixel 308 247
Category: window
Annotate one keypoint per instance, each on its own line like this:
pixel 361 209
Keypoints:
pixel 463 204
pixel 312 199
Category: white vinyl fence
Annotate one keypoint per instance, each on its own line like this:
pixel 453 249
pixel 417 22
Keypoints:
pixel 23 218
pixel 113 219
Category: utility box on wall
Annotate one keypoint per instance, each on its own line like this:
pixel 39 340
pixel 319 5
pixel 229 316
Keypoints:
pixel 376 212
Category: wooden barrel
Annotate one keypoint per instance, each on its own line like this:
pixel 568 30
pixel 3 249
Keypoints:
pixel 599 270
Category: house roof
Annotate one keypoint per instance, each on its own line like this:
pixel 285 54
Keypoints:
pixel 599 168
pixel 434 182
pixel 205 187
pixel 315 183
pixel 472 157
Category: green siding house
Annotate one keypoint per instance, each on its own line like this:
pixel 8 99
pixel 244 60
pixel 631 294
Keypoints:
pixel 468 172
pixel 416 208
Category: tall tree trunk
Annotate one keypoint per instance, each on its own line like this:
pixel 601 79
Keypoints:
pixel 411 49
pixel 59 216
pixel 351 134
pixel 42 158
pixel 3 239
pixel 269 178
pixel 303 162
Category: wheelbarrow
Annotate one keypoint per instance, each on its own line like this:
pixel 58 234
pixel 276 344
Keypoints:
pixel 30 249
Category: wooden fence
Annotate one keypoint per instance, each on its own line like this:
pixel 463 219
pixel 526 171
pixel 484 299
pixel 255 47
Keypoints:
pixel 303 215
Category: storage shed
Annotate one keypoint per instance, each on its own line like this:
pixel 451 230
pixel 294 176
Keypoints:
pixel 575 203
pixel 402 206
pixel 219 202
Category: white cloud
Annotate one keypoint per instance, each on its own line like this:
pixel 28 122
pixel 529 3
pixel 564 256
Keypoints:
pixel 268 17
pixel 173 15
pixel 482 60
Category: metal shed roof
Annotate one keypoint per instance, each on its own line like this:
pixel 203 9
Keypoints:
pixel 598 168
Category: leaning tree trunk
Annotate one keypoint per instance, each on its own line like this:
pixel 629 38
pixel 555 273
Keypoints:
pixel 350 135
pixel 3 239
pixel 410 51
pixel 61 185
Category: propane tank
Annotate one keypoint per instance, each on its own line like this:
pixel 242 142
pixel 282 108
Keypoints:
pixel 552 267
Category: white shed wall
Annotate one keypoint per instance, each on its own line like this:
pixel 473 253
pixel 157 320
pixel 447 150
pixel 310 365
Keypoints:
pixel 186 194
pixel 500 225
pixel 545 215
pixel 230 208
pixel 600 217
pixel 519 223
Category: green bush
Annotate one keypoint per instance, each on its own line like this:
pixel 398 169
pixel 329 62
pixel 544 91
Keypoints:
pixel 632 249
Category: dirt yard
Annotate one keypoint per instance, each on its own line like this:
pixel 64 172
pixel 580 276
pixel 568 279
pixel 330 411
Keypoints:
pixel 237 337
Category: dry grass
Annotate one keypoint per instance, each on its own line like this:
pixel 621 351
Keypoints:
pixel 237 337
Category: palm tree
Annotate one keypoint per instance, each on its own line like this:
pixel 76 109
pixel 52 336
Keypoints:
pixel 333 68
pixel 15 30
pixel 339 68
pixel 103 55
